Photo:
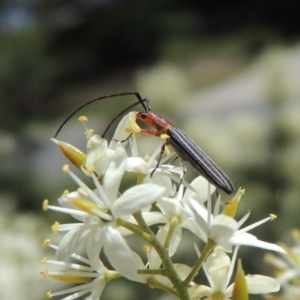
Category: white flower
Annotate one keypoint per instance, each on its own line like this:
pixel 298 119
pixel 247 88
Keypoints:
pixel 218 269
pixel 122 131
pixel 224 230
pixel 287 268
pixel 89 279
pixel 99 211
pixel 176 214
pixel 144 167
pixel 99 153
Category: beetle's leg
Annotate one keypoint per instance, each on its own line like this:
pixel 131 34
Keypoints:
pixel 162 150
pixel 149 132
pixel 183 166
pixel 125 140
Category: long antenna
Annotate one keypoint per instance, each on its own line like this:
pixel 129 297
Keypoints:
pixel 99 99
pixel 117 116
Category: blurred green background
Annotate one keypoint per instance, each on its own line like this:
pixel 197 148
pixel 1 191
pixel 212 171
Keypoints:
pixel 225 72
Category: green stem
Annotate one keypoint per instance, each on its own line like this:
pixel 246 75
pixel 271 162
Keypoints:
pixel 206 251
pixel 135 230
pixel 173 225
pixel 140 220
pixel 170 272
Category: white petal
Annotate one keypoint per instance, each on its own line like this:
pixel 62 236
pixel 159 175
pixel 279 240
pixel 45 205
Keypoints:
pixel 73 242
pixel 135 198
pixel 172 207
pixel 98 155
pixel 120 133
pixel 114 174
pixel 200 292
pixel 217 266
pixel 182 270
pixel 118 252
pixel 258 284
pixel 200 185
pixel 97 288
pixel 161 180
pixel 93 248
pixel 191 225
pixel 137 261
pixel 222 228
pixel 64 201
pixel 137 165
pixel 200 215
pixel 248 239
pixel 175 240
pixel 139 265
pixel 152 218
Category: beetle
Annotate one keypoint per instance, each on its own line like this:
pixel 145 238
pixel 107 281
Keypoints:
pixel 186 148
pixel 182 144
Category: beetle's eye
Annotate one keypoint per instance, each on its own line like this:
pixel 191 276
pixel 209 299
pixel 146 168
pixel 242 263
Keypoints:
pixel 144 115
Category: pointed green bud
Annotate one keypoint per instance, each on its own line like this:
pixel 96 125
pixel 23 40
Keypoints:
pixel 232 206
pixel 240 290
pixel 73 154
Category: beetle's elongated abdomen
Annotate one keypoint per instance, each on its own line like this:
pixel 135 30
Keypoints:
pixel 188 150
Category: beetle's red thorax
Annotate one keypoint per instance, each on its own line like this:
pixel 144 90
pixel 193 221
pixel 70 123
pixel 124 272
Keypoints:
pixel 155 121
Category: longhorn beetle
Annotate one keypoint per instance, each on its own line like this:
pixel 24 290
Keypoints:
pixel 183 145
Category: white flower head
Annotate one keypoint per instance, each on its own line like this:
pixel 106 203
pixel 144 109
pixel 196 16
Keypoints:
pixel 107 212
pixel 98 154
pixel 99 211
pixel 224 230
pixel 90 280
pixel 287 268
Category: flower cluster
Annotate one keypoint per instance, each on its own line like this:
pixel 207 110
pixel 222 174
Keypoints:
pixel 157 211
pixel 287 269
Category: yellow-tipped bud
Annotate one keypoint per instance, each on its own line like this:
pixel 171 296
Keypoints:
pixel 240 289
pixel 73 154
pixel 273 217
pixel 232 206
pixel 64 276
